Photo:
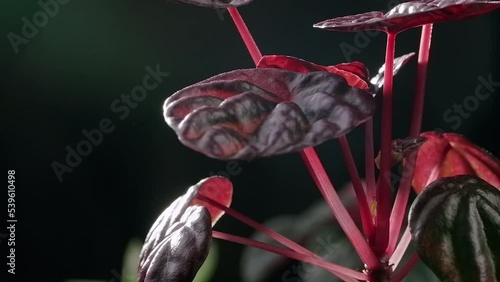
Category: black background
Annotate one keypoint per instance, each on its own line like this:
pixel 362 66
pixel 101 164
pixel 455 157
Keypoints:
pixel 66 77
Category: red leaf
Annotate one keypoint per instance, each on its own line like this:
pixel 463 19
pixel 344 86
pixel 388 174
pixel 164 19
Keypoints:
pixel 216 4
pixel 411 14
pixel 247 113
pixel 355 73
pixel 218 189
pixel 449 154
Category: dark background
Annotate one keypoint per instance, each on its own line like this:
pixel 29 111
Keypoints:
pixel 66 77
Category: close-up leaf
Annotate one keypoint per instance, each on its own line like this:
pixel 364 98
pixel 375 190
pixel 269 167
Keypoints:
pixel 251 113
pixel 182 251
pixel 449 154
pixel 455 225
pixel 411 14
pixel 216 188
pixel 355 73
pixel 217 4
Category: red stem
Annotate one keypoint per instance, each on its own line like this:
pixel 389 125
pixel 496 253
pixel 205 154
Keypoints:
pixel 406 268
pixel 401 201
pixel 259 227
pixel 418 99
pixel 384 189
pixel 371 189
pixel 398 211
pixel 342 272
pixel 345 221
pixel 398 254
pixel 245 35
pixel 364 210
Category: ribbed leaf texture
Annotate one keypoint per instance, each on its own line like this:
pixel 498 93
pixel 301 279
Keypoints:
pixel 251 113
pixel 449 154
pixel 214 3
pixel 455 224
pixel 179 240
pixel 411 14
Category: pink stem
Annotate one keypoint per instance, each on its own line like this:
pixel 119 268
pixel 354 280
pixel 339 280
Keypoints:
pixel 401 201
pixel 371 188
pixel 342 272
pixel 418 99
pixel 406 269
pixel 404 190
pixel 245 35
pixel 384 189
pixel 398 254
pixel 366 216
pixel 339 211
pixel 259 227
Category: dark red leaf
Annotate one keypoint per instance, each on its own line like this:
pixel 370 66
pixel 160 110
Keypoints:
pixel 181 252
pixel 215 3
pixel 247 113
pixel 216 188
pixel 219 189
pixel 411 14
pixel 355 73
pixel 449 154
pixel 378 80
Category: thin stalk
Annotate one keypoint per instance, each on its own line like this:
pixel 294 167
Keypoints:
pixel 406 268
pixel 418 99
pixel 364 210
pixel 398 254
pixel 401 201
pixel 371 189
pixel 384 189
pixel 345 221
pixel 259 227
pixel 245 35
pixel 342 272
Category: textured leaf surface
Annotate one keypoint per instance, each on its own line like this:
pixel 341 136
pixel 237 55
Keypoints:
pixel 451 154
pixel 215 3
pixel 248 113
pixel 355 73
pixel 180 219
pixel 182 252
pixel 411 14
pixel 455 224
pixel 378 80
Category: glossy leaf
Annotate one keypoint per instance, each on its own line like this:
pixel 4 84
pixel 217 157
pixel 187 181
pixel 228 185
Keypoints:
pixel 182 251
pixel 455 225
pixel 451 154
pixel 216 188
pixel 251 113
pixel 174 218
pixel 355 73
pixel 378 80
pixel 411 14
pixel 215 3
